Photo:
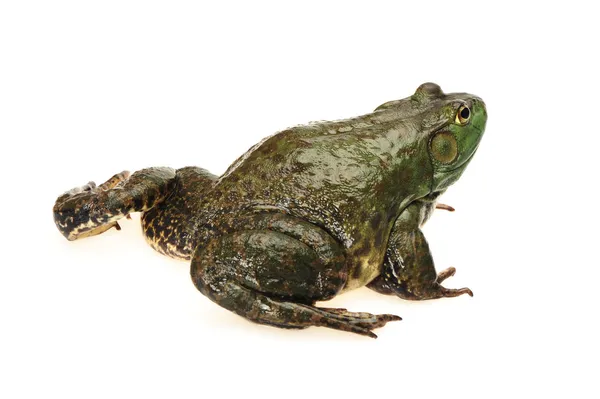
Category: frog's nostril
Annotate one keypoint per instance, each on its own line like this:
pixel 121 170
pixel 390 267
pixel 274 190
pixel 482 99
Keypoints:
pixel 483 108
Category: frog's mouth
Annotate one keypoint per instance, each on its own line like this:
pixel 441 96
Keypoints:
pixel 465 146
pixel 461 164
pixel 445 174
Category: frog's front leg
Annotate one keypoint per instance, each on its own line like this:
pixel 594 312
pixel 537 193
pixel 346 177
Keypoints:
pixel 274 275
pixel 408 269
pixel 90 210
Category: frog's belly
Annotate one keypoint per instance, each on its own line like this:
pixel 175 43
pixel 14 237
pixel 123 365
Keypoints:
pixel 363 270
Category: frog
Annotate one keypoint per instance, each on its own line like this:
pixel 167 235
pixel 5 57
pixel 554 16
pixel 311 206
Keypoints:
pixel 306 214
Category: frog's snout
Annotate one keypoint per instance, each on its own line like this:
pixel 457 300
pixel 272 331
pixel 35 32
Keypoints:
pixel 480 114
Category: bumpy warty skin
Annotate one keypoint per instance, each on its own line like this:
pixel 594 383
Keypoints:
pixel 331 205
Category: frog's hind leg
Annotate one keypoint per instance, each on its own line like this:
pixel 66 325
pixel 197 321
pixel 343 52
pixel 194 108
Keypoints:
pixel 170 227
pixel 90 210
pixel 274 279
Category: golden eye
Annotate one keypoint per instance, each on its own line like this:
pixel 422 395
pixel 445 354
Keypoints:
pixel 463 115
pixel 444 147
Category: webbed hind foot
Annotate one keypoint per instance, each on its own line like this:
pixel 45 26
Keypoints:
pixel 357 322
pixel 91 210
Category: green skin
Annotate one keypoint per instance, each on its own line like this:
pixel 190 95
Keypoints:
pixel 306 214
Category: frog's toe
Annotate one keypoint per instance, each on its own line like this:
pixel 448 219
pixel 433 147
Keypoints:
pixel 444 274
pixel 89 186
pixel 452 292
pixel 357 322
pixel 371 321
pixel 86 188
pixel 444 207
pixel 115 180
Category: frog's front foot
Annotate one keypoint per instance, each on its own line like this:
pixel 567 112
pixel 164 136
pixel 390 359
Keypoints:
pixel 449 292
pixel 417 290
pixel 433 291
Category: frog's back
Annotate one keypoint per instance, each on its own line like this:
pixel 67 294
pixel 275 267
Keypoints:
pixel 326 172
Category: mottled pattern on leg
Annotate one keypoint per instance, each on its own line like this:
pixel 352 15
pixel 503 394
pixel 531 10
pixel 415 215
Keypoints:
pixel 115 180
pixel 170 226
pixel 91 210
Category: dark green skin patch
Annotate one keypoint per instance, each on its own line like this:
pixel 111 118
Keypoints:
pixel 306 214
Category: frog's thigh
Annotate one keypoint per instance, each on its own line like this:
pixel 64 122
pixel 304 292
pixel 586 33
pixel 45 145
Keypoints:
pixel 264 275
pixel 268 262
pixel 91 210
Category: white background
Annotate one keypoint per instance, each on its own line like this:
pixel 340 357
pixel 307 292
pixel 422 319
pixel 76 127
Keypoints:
pixel 89 89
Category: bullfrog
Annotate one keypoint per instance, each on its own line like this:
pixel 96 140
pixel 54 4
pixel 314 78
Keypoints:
pixel 306 214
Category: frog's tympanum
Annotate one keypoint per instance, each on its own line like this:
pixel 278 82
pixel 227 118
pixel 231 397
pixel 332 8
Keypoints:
pixel 306 214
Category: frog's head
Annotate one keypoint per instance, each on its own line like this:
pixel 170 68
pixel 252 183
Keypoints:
pixel 454 124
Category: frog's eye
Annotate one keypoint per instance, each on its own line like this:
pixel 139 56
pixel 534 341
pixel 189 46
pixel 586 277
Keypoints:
pixel 444 147
pixel 463 115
